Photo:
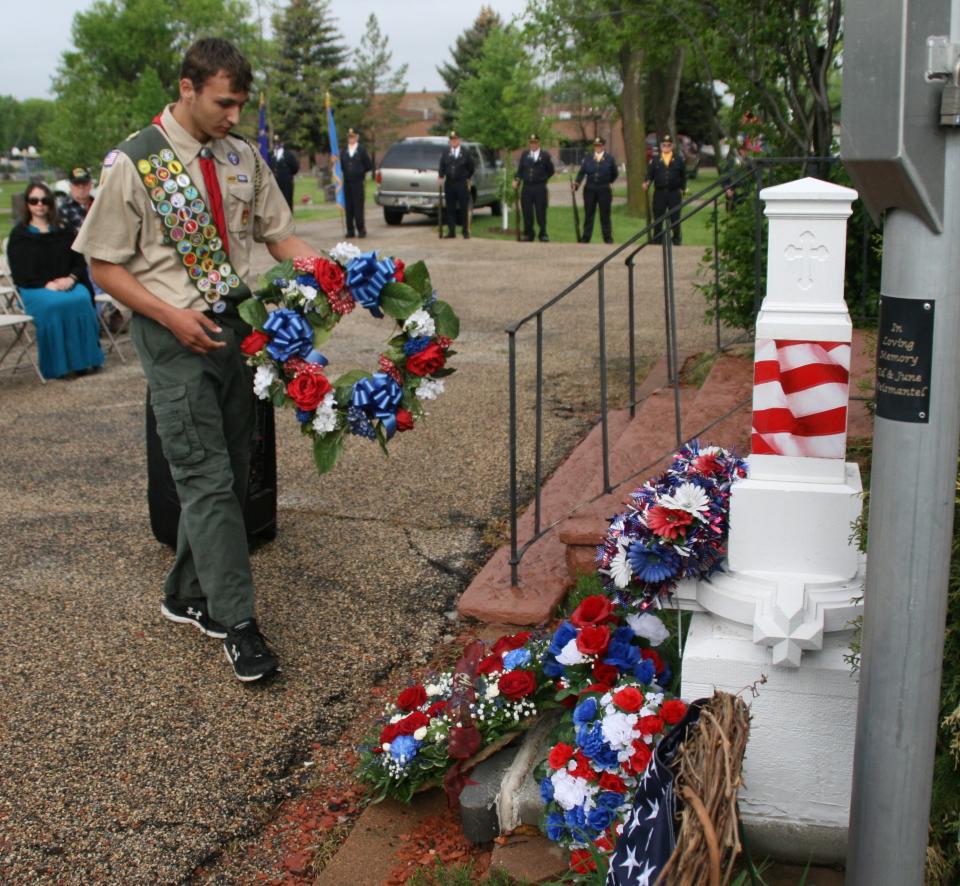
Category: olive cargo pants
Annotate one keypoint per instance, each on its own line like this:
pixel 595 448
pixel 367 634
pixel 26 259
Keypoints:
pixel 204 406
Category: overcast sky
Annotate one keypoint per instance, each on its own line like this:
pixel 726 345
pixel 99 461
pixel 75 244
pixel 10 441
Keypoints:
pixel 421 33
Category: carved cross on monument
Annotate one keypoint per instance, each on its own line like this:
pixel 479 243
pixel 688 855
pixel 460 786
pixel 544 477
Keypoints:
pixel 807 253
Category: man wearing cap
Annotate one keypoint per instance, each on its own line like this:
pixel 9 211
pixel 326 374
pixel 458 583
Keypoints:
pixel 668 173
pixel 534 171
pixel 356 163
pixel 600 171
pixel 73 210
pixel 456 171
pixel 285 166
pixel 179 207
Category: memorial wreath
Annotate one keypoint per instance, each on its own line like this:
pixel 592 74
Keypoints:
pixel 296 310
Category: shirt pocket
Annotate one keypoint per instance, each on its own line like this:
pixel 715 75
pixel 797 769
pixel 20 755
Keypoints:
pixel 240 208
pixel 175 426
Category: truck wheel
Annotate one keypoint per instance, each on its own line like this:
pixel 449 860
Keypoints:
pixel 393 216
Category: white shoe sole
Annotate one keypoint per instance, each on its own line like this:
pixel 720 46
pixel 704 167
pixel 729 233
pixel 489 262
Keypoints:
pixel 247 679
pixel 181 620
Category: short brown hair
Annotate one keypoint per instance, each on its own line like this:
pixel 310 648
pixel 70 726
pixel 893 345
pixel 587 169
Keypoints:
pixel 53 217
pixel 211 55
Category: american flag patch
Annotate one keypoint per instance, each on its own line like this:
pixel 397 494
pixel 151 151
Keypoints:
pixel 110 159
pixel 801 391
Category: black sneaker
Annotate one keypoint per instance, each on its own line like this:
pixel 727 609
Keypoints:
pixel 248 652
pixel 195 614
pixel 544 238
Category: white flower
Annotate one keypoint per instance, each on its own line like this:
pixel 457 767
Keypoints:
pixel 386 747
pixel 420 323
pixel 570 655
pixel 420 734
pixel 263 378
pixel 432 690
pixel 493 690
pixel 325 419
pixel 308 292
pixel 344 253
pixel 688 497
pixel 620 569
pixel 618 729
pixel 648 626
pixel 569 791
pixel 430 389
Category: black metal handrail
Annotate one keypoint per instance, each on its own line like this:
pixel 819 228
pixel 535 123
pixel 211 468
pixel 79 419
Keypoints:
pixel 706 199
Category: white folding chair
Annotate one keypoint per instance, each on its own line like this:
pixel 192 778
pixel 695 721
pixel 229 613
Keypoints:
pixel 14 321
pixel 103 301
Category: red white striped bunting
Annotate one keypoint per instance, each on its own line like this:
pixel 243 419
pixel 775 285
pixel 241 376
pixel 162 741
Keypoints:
pixel 800 395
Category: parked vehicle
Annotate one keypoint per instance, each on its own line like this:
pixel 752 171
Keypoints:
pixel 408 179
pixel 689 150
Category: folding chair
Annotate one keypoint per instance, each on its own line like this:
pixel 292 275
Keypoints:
pixel 103 300
pixel 13 317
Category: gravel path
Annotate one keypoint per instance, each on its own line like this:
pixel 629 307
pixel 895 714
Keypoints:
pixel 129 754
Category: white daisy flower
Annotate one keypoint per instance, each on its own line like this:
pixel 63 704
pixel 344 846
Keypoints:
pixel 620 569
pixel 420 323
pixel 648 626
pixel 344 253
pixel 263 378
pixel 430 389
pixel 688 497
pixel 325 419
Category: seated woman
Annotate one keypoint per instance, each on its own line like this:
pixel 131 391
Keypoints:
pixel 46 271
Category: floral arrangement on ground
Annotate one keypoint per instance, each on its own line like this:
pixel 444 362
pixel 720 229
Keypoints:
pixel 296 310
pixel 675 528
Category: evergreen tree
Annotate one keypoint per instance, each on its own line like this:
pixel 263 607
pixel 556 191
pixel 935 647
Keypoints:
pixel 375 90
pixel 307 64
pixel 466 51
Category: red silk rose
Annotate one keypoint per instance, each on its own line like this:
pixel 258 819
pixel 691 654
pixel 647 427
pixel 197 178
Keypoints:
pixel 308 389
pixel 581 861
pixel 583 769
pixel 492 664
pixel 650 725
pixel 329 275
pixel 593 610
pixel 605 673
pixel 510 642
pixel 404 420
pixel 653 656
pixel 428 361
pixel 517 684
pixel 389 733
pixel 641 756
pixel 629 699
pixel 412 722
pixel 593 639
pixel 436 709
pixel 254 342
pixel 411 698
pixel 398 267
pixel 560 755
pixel 673 711
pixel 609 781
pixel 594 687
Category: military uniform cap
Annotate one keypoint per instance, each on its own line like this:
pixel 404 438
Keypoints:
pixel 599 140
pixel 667 139
pixel 454 133
pixel 352 132
pixel 79 175
pixel 533 137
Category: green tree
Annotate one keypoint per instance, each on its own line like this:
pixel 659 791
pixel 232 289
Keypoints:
pixel 21 121
pixel 124 66
pixel 465 52
pixel 308 63
pixel 375 90
pixel 500 105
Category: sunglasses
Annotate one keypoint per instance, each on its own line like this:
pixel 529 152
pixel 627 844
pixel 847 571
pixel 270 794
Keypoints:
pixel 36 201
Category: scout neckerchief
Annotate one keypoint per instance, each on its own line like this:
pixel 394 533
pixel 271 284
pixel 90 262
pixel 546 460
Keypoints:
pixel 189 226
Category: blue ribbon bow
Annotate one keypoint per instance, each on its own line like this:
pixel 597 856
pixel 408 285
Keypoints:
pixel 379 397
pixel 291 335
pixel 366 277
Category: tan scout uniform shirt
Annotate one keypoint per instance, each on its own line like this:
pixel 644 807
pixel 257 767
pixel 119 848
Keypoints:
pixel 123 228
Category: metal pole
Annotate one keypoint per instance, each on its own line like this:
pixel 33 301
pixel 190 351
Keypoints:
pixel 514 560
pixel 538 443
pixel 672 319
pixel 632 337
pixel 757 239
pixel 604 426
pixel 671 369
pixel 910 536
pixel 716 266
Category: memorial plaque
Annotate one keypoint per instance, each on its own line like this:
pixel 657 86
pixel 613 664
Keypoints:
pixel 904 358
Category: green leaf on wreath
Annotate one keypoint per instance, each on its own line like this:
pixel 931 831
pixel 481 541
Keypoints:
pixel 399 300
pixel 320 335
pixel 443 373
pixel 253 311
pixel 382 438
pixel 326 450
pixel 350 378
pixel 448 323
pixel 278 396
pixel 418 277
pixel 343 395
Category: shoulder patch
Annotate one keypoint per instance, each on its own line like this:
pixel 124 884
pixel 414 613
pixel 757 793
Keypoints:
pixel 110 159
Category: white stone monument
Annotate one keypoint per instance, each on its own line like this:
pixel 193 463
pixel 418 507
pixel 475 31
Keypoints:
pixel 783 608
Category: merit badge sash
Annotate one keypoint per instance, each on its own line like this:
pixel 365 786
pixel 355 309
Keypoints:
pixel 188 224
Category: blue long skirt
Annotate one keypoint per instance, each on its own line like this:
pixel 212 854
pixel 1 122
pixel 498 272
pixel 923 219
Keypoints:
pixel 67 334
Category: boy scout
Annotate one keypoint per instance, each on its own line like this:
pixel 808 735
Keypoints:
pixel 179 207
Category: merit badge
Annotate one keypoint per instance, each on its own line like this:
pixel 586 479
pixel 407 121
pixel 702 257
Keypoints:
pixel 178 200
pixel 189 259
pixel 209 231
pixel 170 186
pixel 225 270
pixel 183 247
pixel 190 226
pixel 219 256
pixel 175 166
pixel 195 272
pixel 150 180
pixel 170 220
pixel 203 284
pixel 157 194
pixel 214 276
pixel 183 180
pixel 219 306
pixel 143 167
pixel 233 158
pixel 195 205
pixel 166 155
pixel 203 219
pixel 191 192
pixel 196 239
pixel 163 173
pixel 233 281
pixel 176 234
pixel 155 161
pixel 215 242
pixel 164 207
pixel 207 265
pixel 223 288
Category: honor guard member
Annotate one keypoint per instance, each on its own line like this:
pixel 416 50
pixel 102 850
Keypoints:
pixel 534 170
pixel 668 173
pixel 356 163
pixel 600 171
pixel 456 171
pixel 285 166
pixel 179 208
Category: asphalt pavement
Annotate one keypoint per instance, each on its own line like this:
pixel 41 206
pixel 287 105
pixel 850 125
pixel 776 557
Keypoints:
pixel 129 753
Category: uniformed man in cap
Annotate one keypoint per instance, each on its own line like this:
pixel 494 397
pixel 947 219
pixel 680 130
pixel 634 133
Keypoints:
pixel 534 170
pixel 73 209
pixel 285 166
pixel 456 171
pixel 600 171
pixel 356 163
pixel 180 206
pixel 668 173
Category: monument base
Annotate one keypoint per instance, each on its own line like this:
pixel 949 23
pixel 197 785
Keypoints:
pixel 795 800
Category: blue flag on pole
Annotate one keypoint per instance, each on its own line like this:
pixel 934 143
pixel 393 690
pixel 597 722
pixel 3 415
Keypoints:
pixel 263 139
pixel 335 156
